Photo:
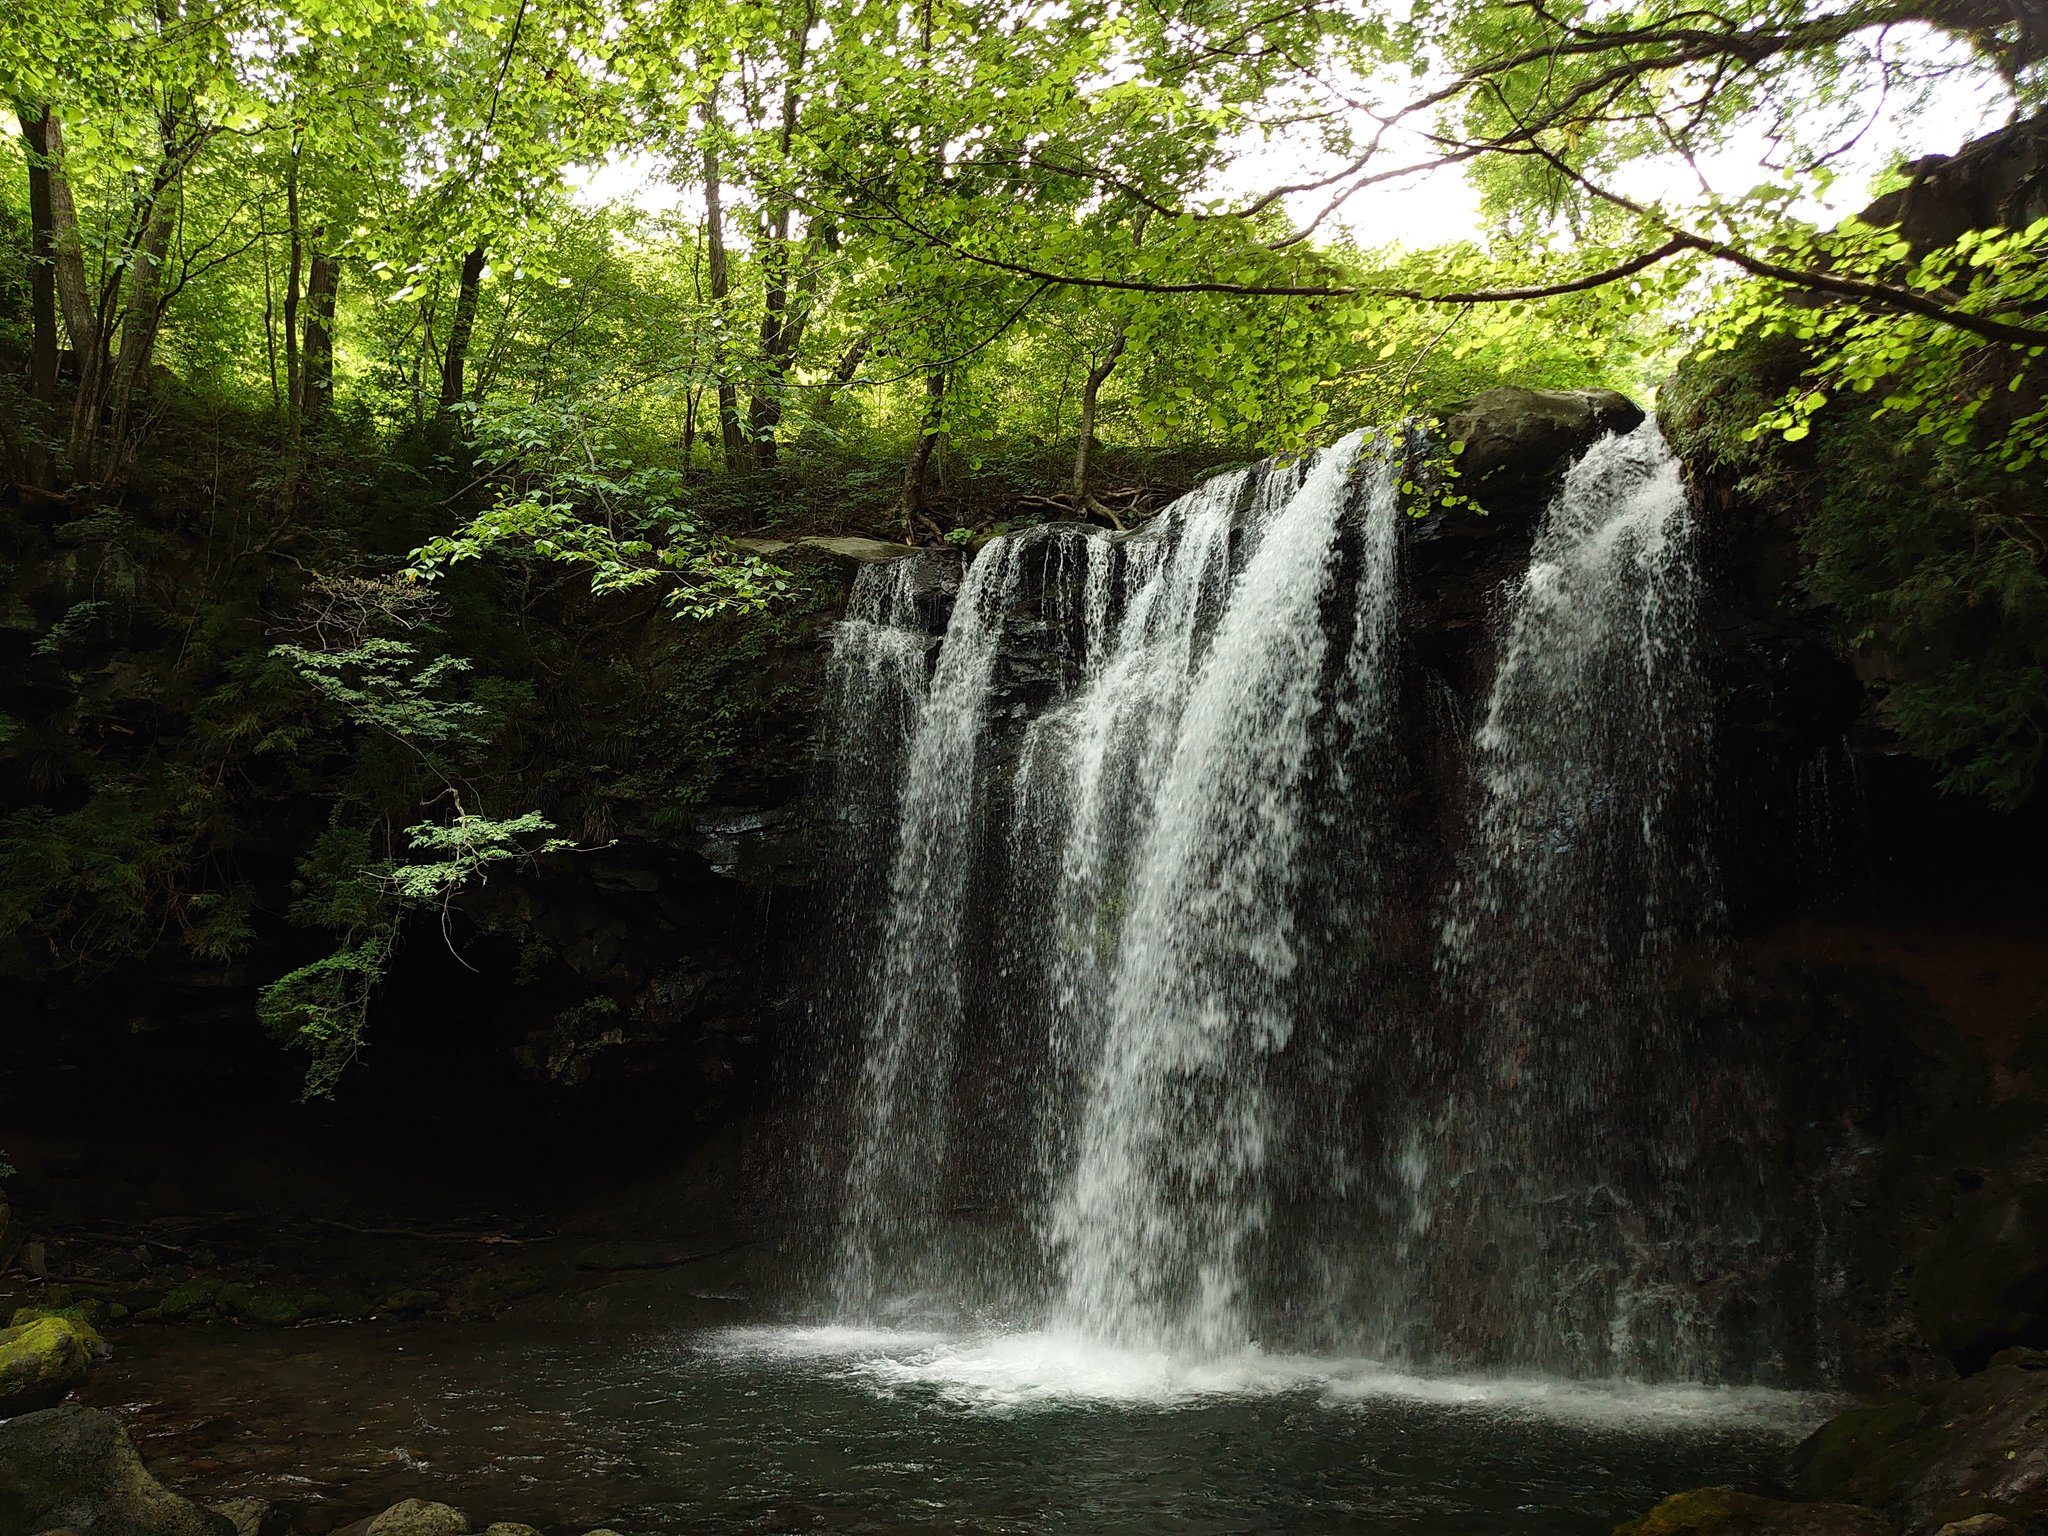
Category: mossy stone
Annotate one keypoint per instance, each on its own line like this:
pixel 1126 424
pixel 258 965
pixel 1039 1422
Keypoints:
pixel 85 1316
pixel 419 1517
pixel 42 1361
pixel 1980 1525
pixel 1968 1448
pixel 1726 1512
pixel 490 1289
pixel 1867 1453
pixel 259 1304
pixel 189 1299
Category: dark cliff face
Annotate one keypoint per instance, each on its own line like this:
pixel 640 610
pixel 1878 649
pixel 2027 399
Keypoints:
pixel 158 766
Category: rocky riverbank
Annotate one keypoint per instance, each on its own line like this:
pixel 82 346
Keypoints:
pixel 74 1469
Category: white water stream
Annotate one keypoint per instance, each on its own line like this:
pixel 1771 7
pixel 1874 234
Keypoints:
pixel 1153 1049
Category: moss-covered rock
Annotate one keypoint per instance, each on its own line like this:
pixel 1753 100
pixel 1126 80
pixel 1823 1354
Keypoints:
pixel 263 1304
pixel 1975 1446
pixel 1980 1525
pixel 89 1316
pixel 419 1517
pixel 1726 1512
pixel 42 1361
pixel 191 1298
pixel 490 1290
pixel 74 1468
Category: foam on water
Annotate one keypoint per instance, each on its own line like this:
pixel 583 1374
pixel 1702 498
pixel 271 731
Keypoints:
pixel 1022 1372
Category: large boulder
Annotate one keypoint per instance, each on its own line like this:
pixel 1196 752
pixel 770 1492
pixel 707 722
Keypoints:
pixel 419 1517
pixel 1967 1448
pixel 74 1468
pixel 256 1517
pixel 42 1361
pixel 1725 1512
pixel 1517 442
pixel 1982 1284
pixel 1514 447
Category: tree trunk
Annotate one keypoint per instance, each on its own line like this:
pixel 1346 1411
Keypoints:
pixel 43 133
pixel 42 295
pixel 764 411
pixel 1084 446
pixel 139 322
pixel 780 327
pixel 130 303
pixel 460 327
pixel 295 259
pixel 316 368
pixel 918 471
pixel 730 439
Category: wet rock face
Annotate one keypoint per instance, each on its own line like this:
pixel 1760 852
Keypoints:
pixel 1518 441
pixel 1973 1447
pixel 74 1469
pixel 1998 180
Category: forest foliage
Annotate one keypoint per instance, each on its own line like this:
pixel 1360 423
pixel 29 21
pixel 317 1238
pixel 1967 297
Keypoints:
pixel 331 353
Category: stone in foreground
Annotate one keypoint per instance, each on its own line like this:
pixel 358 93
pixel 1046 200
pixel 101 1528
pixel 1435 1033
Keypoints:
pixel 74 1468
pixel 1967 1448
pixel 41 1362
pixel 1725 1512
pixel 420 1517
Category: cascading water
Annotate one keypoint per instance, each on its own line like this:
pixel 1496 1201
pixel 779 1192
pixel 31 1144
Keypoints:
pixel 1152 1047
pixel 893 1176
pixel 1167 1192
pixel 1568 1142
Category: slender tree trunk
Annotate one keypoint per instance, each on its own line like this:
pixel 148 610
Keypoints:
pixel 1084 446
pixel 730 438
pixel 316 366
pixel 269 311
pixel 140 322
pixel 780 327
pixel 295 260
pixel 42 297
pixel 917 472
pixel 460 327
pixel 764 411
pixel 44 134
pixel 130 304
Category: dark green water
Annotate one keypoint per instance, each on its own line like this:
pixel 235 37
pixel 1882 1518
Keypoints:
pixel 766 1430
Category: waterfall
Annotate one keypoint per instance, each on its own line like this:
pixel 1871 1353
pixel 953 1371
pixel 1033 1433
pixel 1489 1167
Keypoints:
pixel 1567 1143
pixel 897 1155
pixel 1167 1191
pixel 1154 1041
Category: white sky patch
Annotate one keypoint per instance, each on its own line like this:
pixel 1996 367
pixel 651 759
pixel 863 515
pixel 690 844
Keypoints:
pixel 639 178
